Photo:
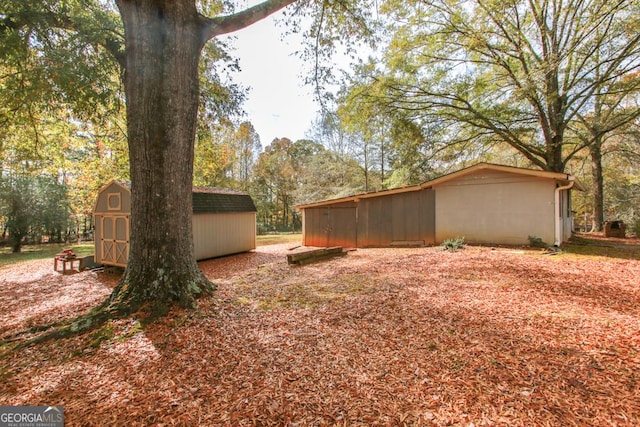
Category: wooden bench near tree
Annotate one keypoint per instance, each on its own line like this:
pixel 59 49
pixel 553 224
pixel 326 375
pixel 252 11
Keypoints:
pixel 313 255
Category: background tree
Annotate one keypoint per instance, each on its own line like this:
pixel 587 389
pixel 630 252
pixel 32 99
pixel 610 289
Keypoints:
pixel 328 131
pixel 247 147
pixel 289 173
pixel 327 175
pixel 47 65
pixel 16 203
pixel 613 109
pixel 213 158
pixel 622 177
pixel 33 206
pixel 274 182
pixel 81 155
pixel 62 112
pixel 370 125
pixel 332 171
pixel 408 154
pixel 521 71
pixel 220 104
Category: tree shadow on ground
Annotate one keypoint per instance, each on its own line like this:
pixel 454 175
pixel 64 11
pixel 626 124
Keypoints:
pixel 39 296
pixel 231 265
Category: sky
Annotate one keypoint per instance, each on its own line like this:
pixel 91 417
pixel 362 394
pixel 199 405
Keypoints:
pixel 279 104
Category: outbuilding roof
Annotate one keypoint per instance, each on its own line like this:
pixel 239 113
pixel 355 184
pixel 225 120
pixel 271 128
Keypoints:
pixel 561 178
pixel 210 199
pixel 221 200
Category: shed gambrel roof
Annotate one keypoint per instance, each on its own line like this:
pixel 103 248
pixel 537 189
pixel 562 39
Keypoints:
pixel 562 178
pixel 208 199
pixel 221 200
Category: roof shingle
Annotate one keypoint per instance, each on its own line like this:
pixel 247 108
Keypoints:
pixel 221 201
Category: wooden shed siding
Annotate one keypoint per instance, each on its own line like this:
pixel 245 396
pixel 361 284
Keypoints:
pixel 331 226
pixel 223 234
pixel 402 218
pixel 228 227
pixel 111 222
pixel 102 205
pixel 494 206
pixel 397 219
pixel 414 217
pixel 113 243
pixel 343 228
pixel 374 220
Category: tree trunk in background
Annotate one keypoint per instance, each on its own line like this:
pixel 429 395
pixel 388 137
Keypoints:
pixel 595 152
pixel 555 160
pixel 164 41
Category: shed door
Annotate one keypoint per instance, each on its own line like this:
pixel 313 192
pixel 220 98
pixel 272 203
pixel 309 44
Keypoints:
pixel 341 227
pixel 330 226
pixel 115 240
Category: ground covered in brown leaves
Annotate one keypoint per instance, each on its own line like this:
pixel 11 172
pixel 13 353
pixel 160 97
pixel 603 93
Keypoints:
pixel 391 337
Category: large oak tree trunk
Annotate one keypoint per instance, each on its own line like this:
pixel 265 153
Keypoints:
pixel 164 42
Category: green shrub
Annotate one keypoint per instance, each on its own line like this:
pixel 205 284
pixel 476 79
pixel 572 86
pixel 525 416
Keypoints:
pixel 537 242
pixel 453 245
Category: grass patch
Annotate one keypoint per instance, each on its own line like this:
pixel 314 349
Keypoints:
pixel 36 252
pixel 304 295
pixel 592 247
pixel 537 242
pixel 276 239
pixel 603 251
pixel 300 295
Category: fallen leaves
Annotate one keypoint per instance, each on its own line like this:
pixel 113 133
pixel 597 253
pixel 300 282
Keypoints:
pixel 405 336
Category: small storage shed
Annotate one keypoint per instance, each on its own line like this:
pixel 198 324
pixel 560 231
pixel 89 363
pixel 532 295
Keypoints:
pixel 224 223
pixel 485 203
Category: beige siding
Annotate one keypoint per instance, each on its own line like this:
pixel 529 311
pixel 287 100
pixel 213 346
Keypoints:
pixel 494 206
pixel 216 234
pixel 113 198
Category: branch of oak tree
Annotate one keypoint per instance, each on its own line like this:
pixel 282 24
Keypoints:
pixel 213 27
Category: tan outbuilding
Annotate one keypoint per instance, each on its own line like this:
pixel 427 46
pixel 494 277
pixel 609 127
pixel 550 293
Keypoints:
pixel 224 223
pixel 485 203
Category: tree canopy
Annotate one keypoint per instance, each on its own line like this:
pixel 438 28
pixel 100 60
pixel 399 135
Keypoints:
pixel 518 72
